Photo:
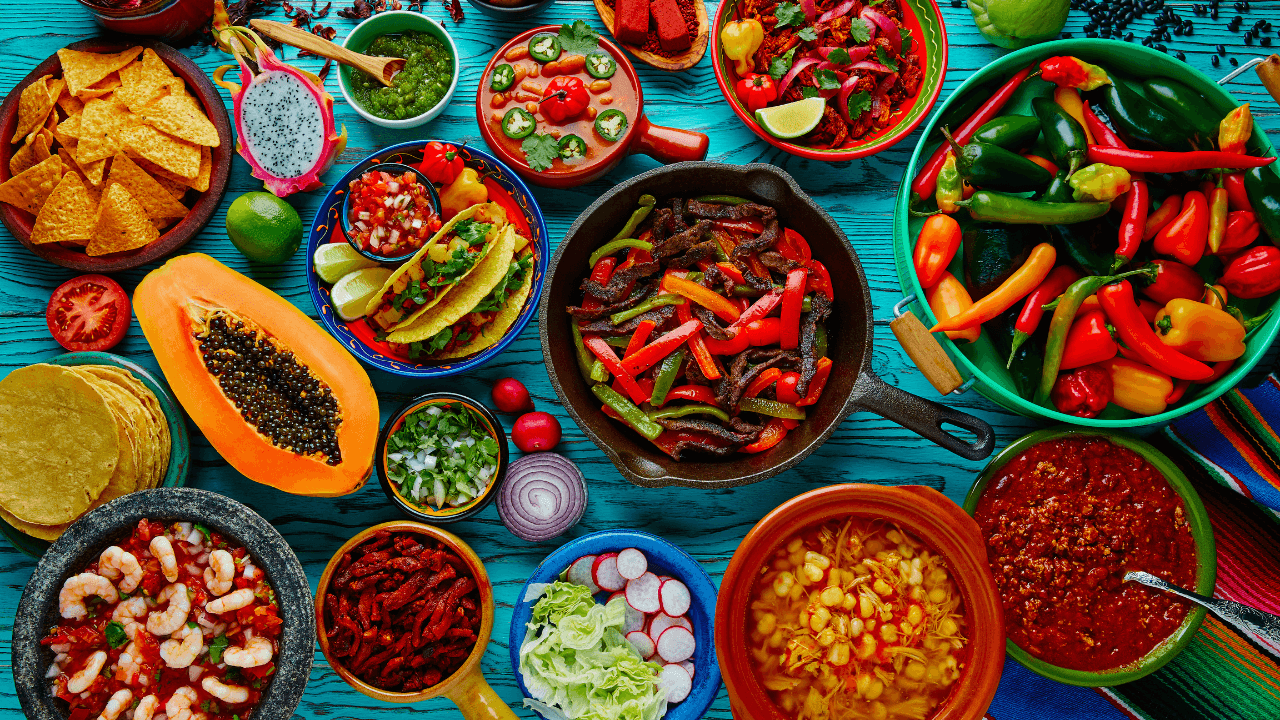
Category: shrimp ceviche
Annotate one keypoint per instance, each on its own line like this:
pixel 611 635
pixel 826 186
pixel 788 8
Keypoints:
pixel 174 621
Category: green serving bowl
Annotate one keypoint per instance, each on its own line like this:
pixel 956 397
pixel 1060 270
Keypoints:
pixel 1201 532
pixel 391 22
pixel 981 361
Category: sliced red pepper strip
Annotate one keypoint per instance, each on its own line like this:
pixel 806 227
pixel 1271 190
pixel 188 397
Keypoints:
pixel 649 355
pixel 692 393
pixel 639 338
pixel 818 382
pixel 732 346
pixel 601 273
pixel 706 363
pixel 732 271
pixel 604 351
pixel 792 304
pixel 1102 132
pixel 772 434
pixel 1160 161
pixel 757 268
pixel 747 225
pixel 758 309
pixel 705 297
pixel 645 383
pixel 794 247
pixel 820 280
pixel 1134 224
pixel 1122 310
pixel 762 381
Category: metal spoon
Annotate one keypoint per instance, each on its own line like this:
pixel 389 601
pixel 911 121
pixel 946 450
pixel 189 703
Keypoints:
pixel 1243 617
pixel 382 68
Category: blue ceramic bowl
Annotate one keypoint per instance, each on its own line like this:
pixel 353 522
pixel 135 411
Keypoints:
pixel 664 559
pixel 327 222
pixel 393 168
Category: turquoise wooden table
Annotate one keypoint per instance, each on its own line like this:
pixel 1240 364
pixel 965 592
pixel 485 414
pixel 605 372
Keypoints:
pixel 708 525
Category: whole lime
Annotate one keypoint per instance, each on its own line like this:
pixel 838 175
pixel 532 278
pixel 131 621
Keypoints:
pixel 263 227
pixel 1014 24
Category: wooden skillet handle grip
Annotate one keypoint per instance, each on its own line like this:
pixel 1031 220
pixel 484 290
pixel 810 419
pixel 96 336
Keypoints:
pixel 927 354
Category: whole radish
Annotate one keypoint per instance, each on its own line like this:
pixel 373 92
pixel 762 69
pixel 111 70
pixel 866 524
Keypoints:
pixel 511 396
pixel 536 431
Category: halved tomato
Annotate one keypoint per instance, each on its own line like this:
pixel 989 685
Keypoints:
pixel 90 312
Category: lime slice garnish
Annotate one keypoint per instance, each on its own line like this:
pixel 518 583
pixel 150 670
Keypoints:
pixel 333 260
pixel 352 291
pixel 793 119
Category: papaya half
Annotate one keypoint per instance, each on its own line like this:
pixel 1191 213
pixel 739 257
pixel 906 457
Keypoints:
pixel 275 394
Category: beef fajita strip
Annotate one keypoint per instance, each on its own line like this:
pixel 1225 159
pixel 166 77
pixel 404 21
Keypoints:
pixel 658 316
pixel 678 450
pixel 755 282
pixel 774 260
pixel 716 276
pixel 808 334
pixel 681 241
pixel 711 428
pixel 617 286
pixel 761 242
pixel 640 293
pixel 701 251
pixel 740 376
pixel 710 324
pixel 718 211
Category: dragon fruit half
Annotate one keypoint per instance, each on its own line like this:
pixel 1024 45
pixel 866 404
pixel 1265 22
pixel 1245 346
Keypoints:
pixel 284 118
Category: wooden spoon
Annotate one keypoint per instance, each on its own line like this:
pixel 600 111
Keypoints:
pixel 382 68
pixel 684 60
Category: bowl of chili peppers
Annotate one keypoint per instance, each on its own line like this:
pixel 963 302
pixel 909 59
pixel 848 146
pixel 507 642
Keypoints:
pixel 1072 248
pixel 395 591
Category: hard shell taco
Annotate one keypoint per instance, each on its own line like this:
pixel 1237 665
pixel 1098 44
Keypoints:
pixel 435 271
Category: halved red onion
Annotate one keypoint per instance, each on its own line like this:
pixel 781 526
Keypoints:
pixel 799 65
pixel 810 8
pixel 842 100
pixel 543 495
pixel 886 25
pixel 871 65
pixel 838 11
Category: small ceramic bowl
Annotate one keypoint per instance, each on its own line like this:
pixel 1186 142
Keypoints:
pixel 664 559
pixel 922 511
pixel 1201 532
pixel 466 687
pixel 509 12
pixel 80 546
pixel 446 514
pixel 166 19
pixel 385 23
pixel 393 167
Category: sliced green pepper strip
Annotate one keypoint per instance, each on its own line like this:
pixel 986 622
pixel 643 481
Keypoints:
pixel 530 123
pixel 989 206
pixel 679 411
pixel 654 302
pixel 629 411
pixel 819 339
pixel 601 65
pixel 772 408
pixel 541 51
pixel 614 246
pixel 668 372
pixel 504 76
pixel 722 199
pixel 584 356
pixel 646 203
pixel 598 371
pixel 619 342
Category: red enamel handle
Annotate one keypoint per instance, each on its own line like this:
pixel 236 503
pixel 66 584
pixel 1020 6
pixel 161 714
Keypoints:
pixel 669 145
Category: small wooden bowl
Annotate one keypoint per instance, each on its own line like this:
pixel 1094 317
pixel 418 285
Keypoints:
pixel 676 63
pixel 466 687
pixel 20 222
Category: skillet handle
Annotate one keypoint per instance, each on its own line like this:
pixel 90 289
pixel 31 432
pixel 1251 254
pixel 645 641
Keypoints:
pixel 669 145
pixel 927 354
pixel 924 417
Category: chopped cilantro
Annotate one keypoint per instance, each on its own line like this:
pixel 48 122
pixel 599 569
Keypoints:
pixel 216 647
pixel 809 91
pixel 442 454
pixel 507 285
pixel 781 64
pixel 471 231
pixel 578 38
pixel 116 635
pixel 826 80
pixel 203 531
pixel 839 56
pixel 859 103
pixel 540 151
pixel 789 14
pixel 192 624
pixel 906 39
pixel 859 31
pixel 873 3
pixel 808 34
pixel 885 60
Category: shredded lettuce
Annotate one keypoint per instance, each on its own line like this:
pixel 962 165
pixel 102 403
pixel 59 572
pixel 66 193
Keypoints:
pixel 574 659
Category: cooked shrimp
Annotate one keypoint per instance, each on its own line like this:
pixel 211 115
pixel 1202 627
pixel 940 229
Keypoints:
pixel 229 694
pixel 146 708
pixel 116 562
pixel 163 550
pixel 79 587
pixel 183 647
pixel 174 616
pixel 179 705
pixel 220 573
pixel 81 681
pixel 233 601
pixel 129 665
pixel 257 651
pixel 117 704
pixel 128 612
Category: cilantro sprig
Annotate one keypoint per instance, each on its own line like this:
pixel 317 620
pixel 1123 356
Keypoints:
pixel 859 103
pixel 781 64
pixel 789 14
pixel 885 60
pixel 540 151
pixel 578 38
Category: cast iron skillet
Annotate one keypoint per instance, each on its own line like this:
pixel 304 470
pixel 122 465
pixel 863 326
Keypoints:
pixel 851 387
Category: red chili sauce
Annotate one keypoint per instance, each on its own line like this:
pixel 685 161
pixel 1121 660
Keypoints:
pixel 1063 522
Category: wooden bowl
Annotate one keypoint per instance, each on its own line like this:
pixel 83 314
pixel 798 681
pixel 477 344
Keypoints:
pixel 19 222
pixel 676 63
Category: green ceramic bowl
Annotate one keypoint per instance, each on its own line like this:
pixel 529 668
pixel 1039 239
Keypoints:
pixel 980 360
pixel 384 23
pixel 1201 532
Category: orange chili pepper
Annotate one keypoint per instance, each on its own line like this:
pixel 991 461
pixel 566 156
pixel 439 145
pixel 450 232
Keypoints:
pixel 1163 215
pixel 948 298
pixel 937 245
pixel 1014 288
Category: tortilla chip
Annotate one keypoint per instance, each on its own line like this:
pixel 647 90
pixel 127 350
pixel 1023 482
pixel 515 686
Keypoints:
pixel 56 88
pixel 67 216
pixel 173 187
pixel 143 81
pixel 29 189
pixel 121 223
pixel 101 125
pixel 82 69
pixel 157 201
pixel 93 171
pixel 101 89
pixel 34 105
pixel 177 156
pixel 72 106
pixel 34 151
pixel 182 117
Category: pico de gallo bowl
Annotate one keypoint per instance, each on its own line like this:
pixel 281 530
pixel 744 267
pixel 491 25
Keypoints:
pixel 390 212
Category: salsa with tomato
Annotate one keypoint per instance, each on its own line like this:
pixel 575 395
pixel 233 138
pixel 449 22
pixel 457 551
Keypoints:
pixel 391 215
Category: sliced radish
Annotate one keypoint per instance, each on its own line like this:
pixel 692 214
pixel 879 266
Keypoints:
pixel 642 643
pixel 632 563
pixel 642 593
pixel 676 644
pixel 675 598
pixel 580 573
pixel 662 621
pixel 605 572
pixel 676 682
pixel 689 667
pixel 634 619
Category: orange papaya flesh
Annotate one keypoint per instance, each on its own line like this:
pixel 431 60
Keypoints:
pixel 309 423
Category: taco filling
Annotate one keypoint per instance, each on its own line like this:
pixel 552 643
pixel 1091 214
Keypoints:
pixel 486 322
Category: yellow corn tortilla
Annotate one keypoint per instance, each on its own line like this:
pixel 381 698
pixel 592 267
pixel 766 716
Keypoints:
pixel 412 271
pixel 493 331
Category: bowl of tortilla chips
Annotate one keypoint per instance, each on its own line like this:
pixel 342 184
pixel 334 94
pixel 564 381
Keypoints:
pixel 112 155
pixel 461 298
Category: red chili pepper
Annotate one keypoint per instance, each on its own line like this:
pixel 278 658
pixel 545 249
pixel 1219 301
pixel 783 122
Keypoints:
pixel 792 302
pixel 1220 370
pixel 1059 279
pixel 820 280
pixel 1236 195
pixel 1186 237
pixel 653 353
pixel 1179 389
pixel 1118 303
pixel 794 247
pixel 1083 393
pixel 609 358
pixel 601 273
pixel 1134 223
pixel 758 310
pixel 756 91
pixel 1217 219
pixel 639 338
pixel 1163 215
pixel 937 245
pixel 1174 280
pixel 564 98
pixel 1102 132
pixel 441 162
pixel 772 434
pixel 693 393
pixel 1160 161
pixel 1088 341
pixel 786 390
pixel 927 181
pixel 818 382
pixel 1242 230
pixel 697 345
pixel 1254 273
pixel 762 381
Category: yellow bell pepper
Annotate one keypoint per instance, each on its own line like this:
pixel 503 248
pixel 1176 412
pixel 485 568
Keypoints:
pixel 466 190
pixel 1235 130
pixel 1200 331
pixel 741 39
pixel 1137 387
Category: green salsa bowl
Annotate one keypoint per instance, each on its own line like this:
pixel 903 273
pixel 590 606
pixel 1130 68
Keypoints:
pixel 352 81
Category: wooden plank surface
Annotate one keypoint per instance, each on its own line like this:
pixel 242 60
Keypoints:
pixel 708 525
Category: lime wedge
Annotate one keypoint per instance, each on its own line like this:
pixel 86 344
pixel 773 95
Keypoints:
pixel 333 260
pixel 352 291
pixel 793 119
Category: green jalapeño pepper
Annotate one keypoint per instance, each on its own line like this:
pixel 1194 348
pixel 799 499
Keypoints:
pixel 601 65
pixel 1067 141
pixel 993 167
pixel 1262 185
pixel 611 124
pixel 544 47
pixel 1059 189
pixel 504 76
pixel 1187 104
pixel 668 372
pixel 1013 210
pixel 627 410
pixel 1011 132
pixel 1142 122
